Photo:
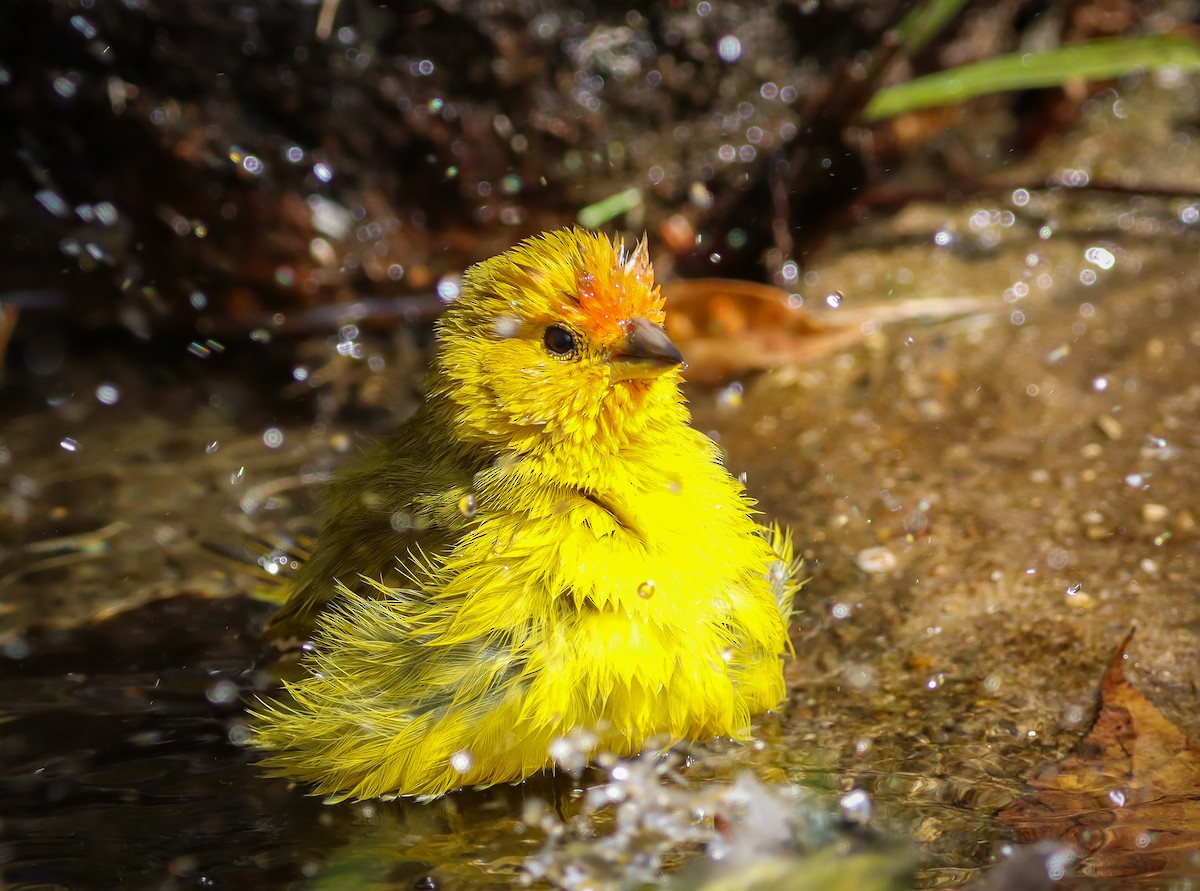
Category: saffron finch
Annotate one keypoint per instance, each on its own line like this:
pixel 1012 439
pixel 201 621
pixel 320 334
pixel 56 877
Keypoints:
pixel 545 548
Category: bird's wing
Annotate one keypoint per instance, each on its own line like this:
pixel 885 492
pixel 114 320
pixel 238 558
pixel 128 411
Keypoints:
pixel 406 501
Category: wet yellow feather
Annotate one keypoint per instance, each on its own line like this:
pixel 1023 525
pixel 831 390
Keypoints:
pixel 546 547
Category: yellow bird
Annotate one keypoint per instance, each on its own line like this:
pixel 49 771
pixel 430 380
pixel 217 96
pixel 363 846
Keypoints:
pixel 545 549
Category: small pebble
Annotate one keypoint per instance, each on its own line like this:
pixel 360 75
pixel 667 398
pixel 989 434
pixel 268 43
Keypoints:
pixel 876 560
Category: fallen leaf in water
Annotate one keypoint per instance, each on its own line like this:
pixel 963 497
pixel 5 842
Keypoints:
pixel 1127 798
pixel 727 327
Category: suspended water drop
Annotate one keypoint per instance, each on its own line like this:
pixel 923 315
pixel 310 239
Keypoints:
pixel 449 287
pixel 1136 480
pixel 730 398
pixel 1100 257
pixel 506 325
pixel 855 807
pixel 467 506
pixel 729 48
pixel 646 590
pixel 53 202
pixel 222 692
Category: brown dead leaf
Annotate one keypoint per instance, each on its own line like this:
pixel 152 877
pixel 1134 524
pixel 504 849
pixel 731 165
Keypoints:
pixel 727 327
pixel 1127 798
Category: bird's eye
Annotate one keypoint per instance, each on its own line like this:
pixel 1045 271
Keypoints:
pixel 559 340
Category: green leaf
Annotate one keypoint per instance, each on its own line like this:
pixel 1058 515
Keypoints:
pixel 1093 60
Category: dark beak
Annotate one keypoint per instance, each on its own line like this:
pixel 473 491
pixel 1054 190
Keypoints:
pixel 645 351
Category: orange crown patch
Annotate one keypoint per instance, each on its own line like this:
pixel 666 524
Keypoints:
pixel 612 288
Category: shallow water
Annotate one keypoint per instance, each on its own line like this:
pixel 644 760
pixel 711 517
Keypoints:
pixel 985 505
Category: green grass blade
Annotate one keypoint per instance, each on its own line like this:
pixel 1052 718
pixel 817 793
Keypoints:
pixel 925 21
pixel 1093 60
pixel 609 208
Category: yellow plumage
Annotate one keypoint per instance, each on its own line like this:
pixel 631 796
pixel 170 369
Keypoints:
pixel 545 547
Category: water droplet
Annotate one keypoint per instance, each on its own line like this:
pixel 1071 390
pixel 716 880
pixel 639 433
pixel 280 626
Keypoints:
pixel 462 761
pixel 730 398
pixel 65 87
pixel 53 202
pixel 646 590
pixel 108 394
pixel 272 437
pixel 83 26
pixel 467 506
pixel 449 287
pixel 222 692
pixel 1100 257
pixel 860 677
pixel 506 325
pixel 855 806
pixel 834 300
pixel 729 48
pixel 211 448
pixel 68 444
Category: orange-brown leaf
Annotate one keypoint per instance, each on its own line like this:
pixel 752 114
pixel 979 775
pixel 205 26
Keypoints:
pixel 1127 798
pixel 726 327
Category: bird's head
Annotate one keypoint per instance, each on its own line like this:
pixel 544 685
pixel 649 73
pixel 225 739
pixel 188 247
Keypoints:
pixel 558 341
